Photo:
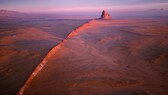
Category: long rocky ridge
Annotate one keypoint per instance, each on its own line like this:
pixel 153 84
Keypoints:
pixel 49 54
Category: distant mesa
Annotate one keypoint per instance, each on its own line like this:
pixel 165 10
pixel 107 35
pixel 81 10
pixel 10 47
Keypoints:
pixel 105 15
pixel 11 15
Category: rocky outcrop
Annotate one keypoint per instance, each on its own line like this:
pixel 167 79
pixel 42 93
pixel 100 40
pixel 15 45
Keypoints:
pixel 105 15
pixel 51 53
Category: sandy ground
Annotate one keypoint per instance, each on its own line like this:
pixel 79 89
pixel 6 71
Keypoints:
pixel 23 44
pixel 110 57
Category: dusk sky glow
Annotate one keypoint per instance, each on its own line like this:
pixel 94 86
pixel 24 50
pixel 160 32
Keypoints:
pixel 81 5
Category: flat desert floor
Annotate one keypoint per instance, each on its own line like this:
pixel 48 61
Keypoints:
pixel 107 57
pixel 23 45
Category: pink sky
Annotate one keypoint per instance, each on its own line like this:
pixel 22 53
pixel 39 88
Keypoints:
pixel 81 5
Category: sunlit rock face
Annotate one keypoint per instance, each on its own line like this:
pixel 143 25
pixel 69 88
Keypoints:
pixel 105 15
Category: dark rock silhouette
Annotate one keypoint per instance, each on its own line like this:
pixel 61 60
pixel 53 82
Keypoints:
pixel 105 15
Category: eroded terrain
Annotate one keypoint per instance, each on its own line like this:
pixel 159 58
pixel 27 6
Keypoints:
pixel 23 45
pixel 108 57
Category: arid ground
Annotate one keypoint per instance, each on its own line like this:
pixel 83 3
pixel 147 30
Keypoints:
pixel 107 57
pixel 44 55
pixel 23 45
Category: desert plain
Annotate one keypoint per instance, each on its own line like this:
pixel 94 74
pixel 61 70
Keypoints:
pixel 84 57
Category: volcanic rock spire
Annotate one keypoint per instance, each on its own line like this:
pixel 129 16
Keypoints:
pixel 105 15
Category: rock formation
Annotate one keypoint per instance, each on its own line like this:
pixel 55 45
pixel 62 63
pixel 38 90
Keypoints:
pixel 105 15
